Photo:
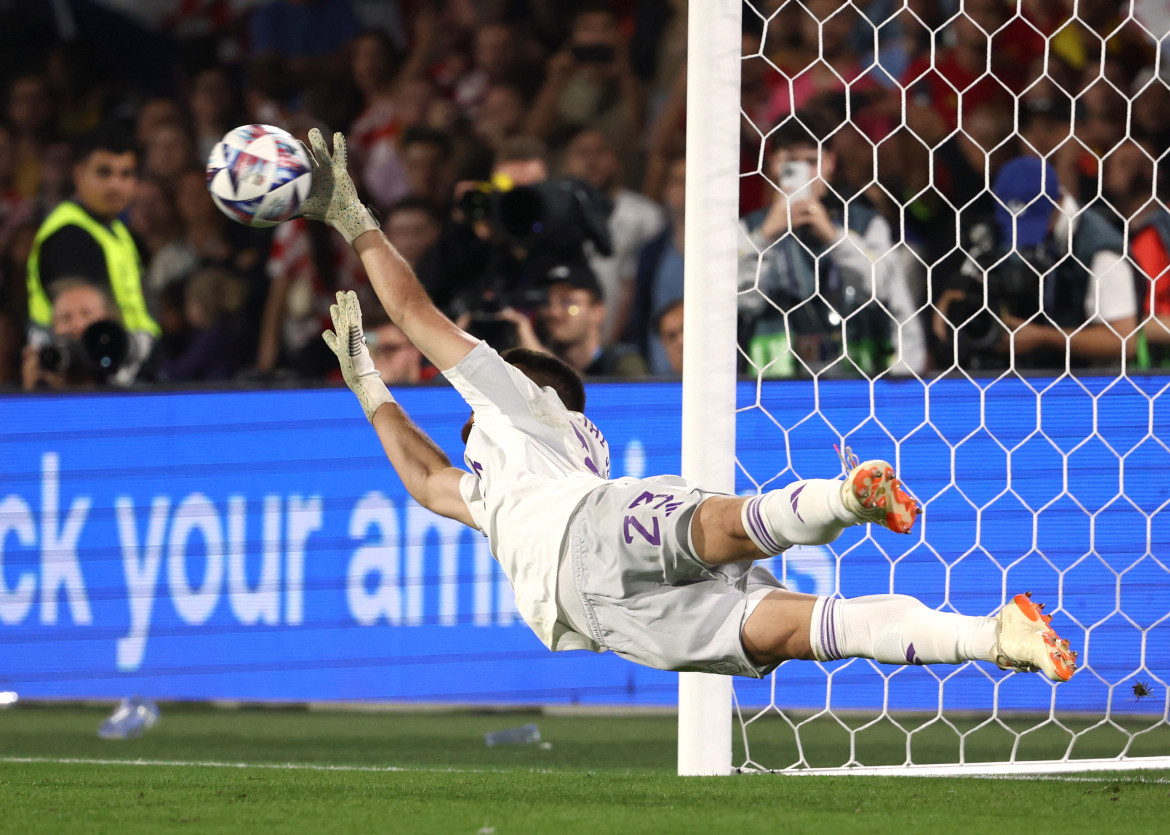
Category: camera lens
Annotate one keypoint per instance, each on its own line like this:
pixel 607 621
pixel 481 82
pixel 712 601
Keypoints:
pixel 54 358
pixel 106 345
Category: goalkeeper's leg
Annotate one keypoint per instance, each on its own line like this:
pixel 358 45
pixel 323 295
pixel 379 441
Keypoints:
pixel 897 629
pixel 809 512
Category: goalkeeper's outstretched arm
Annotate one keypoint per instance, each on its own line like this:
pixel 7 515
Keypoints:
pixel 334 199
pixel 425 470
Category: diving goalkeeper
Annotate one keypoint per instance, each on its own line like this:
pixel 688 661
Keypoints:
pixel 657 570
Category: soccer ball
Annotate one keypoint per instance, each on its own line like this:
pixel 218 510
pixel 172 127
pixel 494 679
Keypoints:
pixel 259 175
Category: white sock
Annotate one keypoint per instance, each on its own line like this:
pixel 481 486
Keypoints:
pixel 803 513
pixel 897 629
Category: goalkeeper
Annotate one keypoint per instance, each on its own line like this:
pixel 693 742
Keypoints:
pixel 657 570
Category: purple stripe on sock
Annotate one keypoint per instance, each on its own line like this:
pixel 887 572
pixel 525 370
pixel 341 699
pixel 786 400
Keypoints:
pixel 756 522
pixel 826 625
pixel 835 650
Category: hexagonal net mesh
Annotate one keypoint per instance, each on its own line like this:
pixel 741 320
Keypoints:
pixel 953 239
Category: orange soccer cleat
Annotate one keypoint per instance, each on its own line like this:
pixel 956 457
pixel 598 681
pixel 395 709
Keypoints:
pixel 1026 641
pixel 873 493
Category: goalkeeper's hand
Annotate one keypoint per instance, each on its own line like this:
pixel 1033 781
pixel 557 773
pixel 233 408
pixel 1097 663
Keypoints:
pixel 333 197
pixel 349 343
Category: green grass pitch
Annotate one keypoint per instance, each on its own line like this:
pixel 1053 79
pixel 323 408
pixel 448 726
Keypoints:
pixel 293 770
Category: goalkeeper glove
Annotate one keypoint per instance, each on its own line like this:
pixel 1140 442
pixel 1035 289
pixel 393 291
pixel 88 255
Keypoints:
pixel 349 343
pixel 333 197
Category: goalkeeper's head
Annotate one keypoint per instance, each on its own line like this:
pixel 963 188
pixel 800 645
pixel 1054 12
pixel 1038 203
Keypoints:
pixel 547 372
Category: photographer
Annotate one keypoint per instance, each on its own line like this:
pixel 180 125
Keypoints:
pixel 506 234
pixel 89 345
pixel 816 276
pixel 573 315
pixel 1044 286
pixel 83 237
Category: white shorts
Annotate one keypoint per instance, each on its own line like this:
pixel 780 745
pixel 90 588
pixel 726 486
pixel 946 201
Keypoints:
pixel 642 591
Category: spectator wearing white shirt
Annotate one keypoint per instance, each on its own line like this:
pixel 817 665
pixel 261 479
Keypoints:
pixel 635 219
pixel 821 287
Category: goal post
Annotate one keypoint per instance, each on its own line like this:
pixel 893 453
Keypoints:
pixel 709 350
pixel 1030 481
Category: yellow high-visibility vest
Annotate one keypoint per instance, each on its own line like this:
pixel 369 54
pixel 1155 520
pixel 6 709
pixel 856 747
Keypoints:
pixel 122 264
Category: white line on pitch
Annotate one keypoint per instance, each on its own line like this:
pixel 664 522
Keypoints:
pixel 212 764
pixel 396 768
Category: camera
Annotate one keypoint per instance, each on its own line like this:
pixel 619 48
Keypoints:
pixel 560 214
pixel 98 355
pixel 1012 283
pixel 796 176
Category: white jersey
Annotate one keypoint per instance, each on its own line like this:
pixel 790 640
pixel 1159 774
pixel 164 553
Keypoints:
pixel 532 463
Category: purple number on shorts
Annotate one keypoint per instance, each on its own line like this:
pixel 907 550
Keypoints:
pixel 665 501
pixel 654 537
pixel 478 467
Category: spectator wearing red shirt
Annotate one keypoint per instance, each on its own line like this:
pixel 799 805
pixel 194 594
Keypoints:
pixel 1130 189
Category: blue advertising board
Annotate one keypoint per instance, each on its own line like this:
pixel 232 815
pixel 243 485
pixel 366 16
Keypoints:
pixel 256 545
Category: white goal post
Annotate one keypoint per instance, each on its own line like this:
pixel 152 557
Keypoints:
pixel 709 354
pixel 1113 603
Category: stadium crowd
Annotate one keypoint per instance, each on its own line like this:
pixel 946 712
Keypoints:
pixel 922 189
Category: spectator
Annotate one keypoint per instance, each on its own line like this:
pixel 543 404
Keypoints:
pixel 589 83
pixel 499 54
pixel 501 115
pixel 398 362
pixel 669 327
pixel 77 305
pixel 822 61
pixel 307 265
pixel 813 269
pixel 169 151
pixel 31 116
pixel 83 237
pixel 214 107
pixel 1054 273
pixel 473 257
pixel 216 344
pixel 659 279
pixel 413 227
pixel 1151 107
pixel 215 240
pixel 373 135
pixel 154 221
pixel 16 213
pixel 426 154
pixel 1130 189
pixel 154 114
pixel 572 315
pixel 633 221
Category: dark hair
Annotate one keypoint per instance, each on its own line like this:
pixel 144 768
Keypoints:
pixel 546 370
pixel 412 203
pixel 422 135
pixel 110 136
pixel 807 127
pixel 667 308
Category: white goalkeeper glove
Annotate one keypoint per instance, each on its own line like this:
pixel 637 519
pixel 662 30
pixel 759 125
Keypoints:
pixel 348 341
pixel 333 197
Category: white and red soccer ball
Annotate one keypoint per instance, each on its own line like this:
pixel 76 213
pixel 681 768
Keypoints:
pixel 259 175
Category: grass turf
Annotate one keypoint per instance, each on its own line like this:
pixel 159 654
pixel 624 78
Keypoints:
pixel 433 773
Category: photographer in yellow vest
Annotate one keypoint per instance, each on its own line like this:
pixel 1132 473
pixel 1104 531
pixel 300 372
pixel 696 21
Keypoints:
pixel 83 238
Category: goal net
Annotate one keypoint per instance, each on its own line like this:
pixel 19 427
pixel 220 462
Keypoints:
pixel 950 226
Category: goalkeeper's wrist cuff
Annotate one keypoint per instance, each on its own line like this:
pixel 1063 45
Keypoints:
pixel 353 220
pixel 373 395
